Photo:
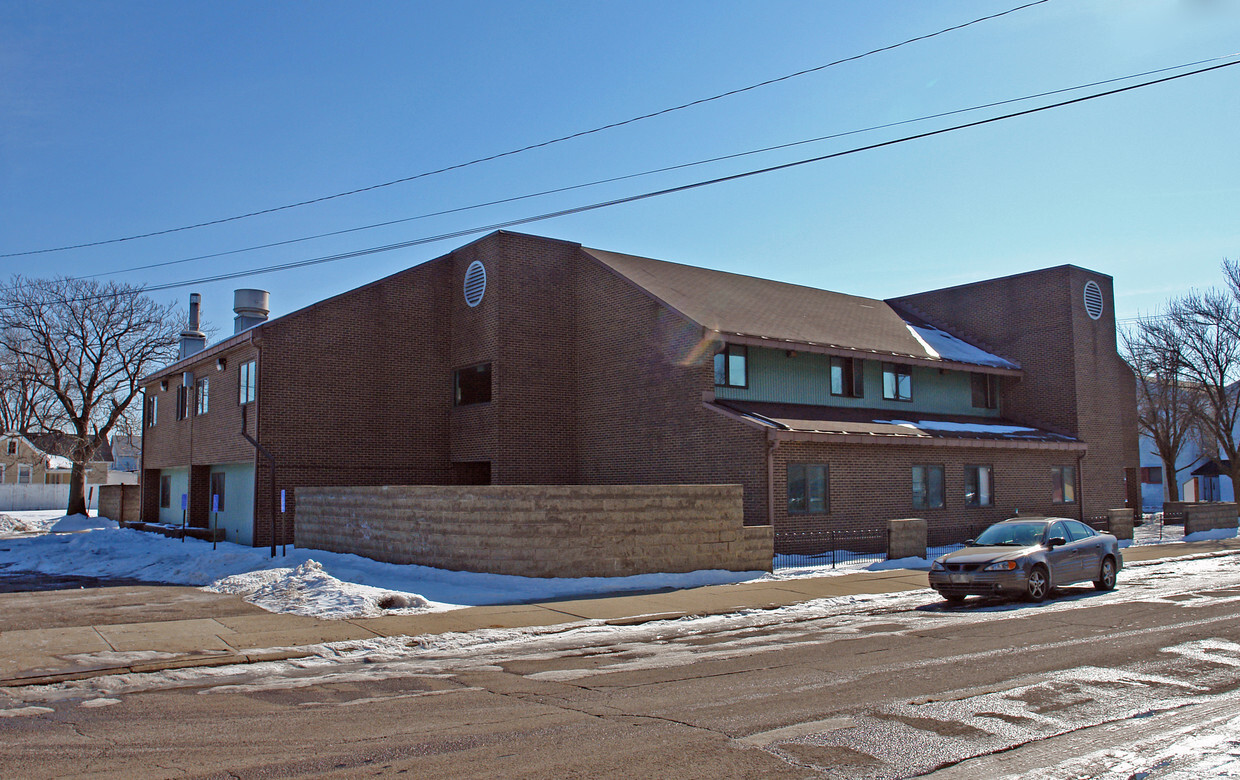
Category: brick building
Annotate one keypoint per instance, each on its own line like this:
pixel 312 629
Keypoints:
pixel 518 359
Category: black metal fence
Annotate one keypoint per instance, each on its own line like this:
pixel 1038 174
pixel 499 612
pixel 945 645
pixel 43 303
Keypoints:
pixel 819 548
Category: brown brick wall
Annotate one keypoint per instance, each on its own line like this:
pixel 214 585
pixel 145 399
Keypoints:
pixel 640 419
pixel 870 484
pixel 539 531
pixel 1074 380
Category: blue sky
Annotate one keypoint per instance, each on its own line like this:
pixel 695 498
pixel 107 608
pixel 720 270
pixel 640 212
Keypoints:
pixel 124 118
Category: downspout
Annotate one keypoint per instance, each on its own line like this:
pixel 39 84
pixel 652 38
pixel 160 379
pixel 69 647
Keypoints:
pixel 271 459
pixel 141 469
pixel 772 444
pixel 1080 485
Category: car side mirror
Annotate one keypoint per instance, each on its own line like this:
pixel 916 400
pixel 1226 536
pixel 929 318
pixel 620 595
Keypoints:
pixel 969 542
pixel 1056 541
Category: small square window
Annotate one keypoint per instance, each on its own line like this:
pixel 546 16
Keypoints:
pixel 897 382
pixel 731 366
pixel 847 377
pixel 472 385
pixel 928 487
pixel 985 391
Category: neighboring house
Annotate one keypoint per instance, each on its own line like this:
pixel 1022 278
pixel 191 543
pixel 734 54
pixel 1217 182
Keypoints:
pixel 126 453
pixel 525 360
pixel 41 459
pixel 1200 477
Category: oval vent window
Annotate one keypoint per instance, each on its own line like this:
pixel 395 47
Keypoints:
pixel 476 283
pixel 1093 300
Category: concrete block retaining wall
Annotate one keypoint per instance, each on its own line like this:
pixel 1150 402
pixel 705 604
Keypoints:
pixel 539 530
pixel 906 538
pixel 120 502
pixel 1209 517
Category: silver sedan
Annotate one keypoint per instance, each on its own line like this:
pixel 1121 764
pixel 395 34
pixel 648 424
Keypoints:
pixel 1028 556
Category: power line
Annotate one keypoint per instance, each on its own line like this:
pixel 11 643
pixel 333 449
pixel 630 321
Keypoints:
pixel 680 166
pixel 531 147
pixel 666 191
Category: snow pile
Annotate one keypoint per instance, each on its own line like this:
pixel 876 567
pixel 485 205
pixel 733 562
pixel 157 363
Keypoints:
pixel 308 590
pixel 75 523
pixel 9 524
pixel 942 425
pixel 346 579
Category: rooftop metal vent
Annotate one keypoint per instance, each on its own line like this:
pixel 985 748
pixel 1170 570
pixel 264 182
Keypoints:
pixel 475 283
pixel 1093 300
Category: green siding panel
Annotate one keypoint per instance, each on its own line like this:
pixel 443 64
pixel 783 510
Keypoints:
pixel 780 376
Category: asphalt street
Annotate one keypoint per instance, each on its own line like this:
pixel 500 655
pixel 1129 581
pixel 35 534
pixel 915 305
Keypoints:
pixel 887 686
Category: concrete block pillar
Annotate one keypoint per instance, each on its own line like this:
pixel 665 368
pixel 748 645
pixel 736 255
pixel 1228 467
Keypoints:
pixel 906 538
pixel 1119 523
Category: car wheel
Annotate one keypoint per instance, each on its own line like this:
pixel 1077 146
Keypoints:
pixel 1106 575
pixel 1039 583
pixel 954 598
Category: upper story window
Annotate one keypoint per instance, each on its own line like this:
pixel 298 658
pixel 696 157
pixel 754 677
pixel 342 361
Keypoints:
pixel 247 381
pixel 182 402
pixel 847 377
pixel 472 385
pixel 731 368
pixel 1151 475
pixel 201 395
pixel 11 447
pixel 1063 484
pixel 152 410
pixel 985 391
pixel 897 382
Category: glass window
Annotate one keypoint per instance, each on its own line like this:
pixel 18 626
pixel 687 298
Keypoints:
pixel 897 382
pixel 847 377
pixel 23 473
pixel 1063 484
pixel 182 402
pixel 731 369
pixel 247 381
pixel 808 488
pixel 1058 529
pixel 217 491
pixel 201 392
pixel 1151 475
pixel 12 447
pixel 152 410
pixel 928 487
pixel 473 385
pixel 979 486
pixel 165 492
pixel 985 391
pixel 1078 530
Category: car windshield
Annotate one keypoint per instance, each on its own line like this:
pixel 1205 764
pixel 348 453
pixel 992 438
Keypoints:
pixel 1011 534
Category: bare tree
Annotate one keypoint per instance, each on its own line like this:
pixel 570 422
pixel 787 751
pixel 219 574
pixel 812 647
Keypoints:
pixel 1168 406
pixel 1207 325
pixel 22 402
pixel 86 344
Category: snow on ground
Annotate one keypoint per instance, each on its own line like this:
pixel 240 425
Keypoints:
pixel 307 582
pixel 334 585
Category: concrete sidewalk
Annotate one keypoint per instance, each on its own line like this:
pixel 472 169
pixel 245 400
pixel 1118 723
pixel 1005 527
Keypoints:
pixel 236 632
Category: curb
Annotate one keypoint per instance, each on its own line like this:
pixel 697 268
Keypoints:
pixel 226 659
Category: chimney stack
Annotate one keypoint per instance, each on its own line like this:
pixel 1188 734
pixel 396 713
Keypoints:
pixel 251 307
pixel 193 340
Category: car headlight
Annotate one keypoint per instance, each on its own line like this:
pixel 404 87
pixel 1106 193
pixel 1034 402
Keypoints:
pixel 937 566
pixel 1002 566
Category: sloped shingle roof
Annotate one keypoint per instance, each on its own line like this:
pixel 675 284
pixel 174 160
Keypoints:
pixel 732 304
